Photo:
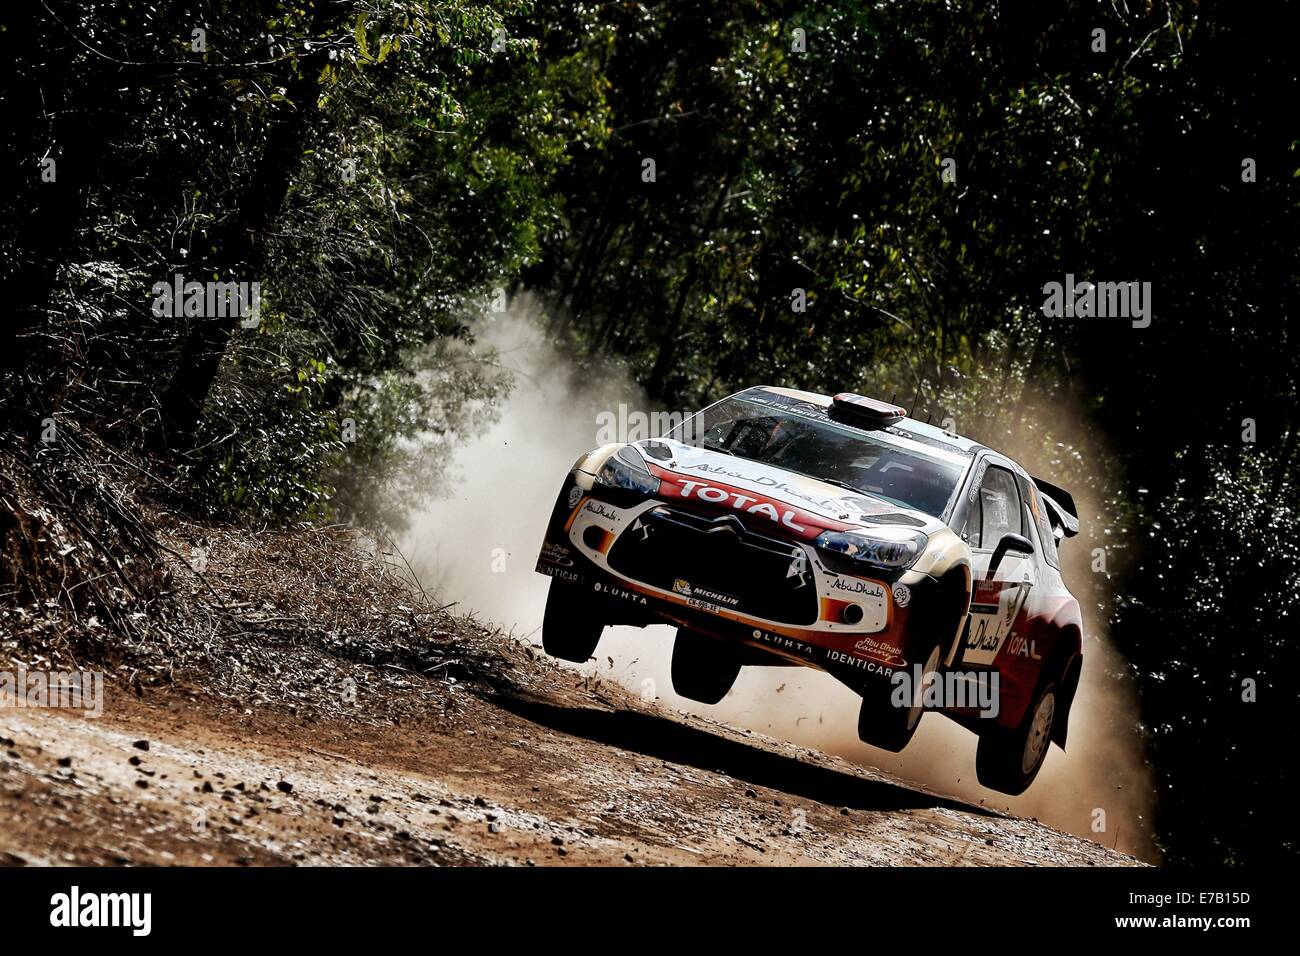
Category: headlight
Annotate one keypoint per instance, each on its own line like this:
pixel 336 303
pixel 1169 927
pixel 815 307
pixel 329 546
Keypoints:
pixel 625 471
pixel 886 548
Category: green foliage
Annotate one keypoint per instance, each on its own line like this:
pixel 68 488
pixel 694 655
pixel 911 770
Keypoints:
pixel 1216 652
pixel 371 164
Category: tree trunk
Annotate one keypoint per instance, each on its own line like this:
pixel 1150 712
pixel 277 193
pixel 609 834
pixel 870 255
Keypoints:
pixel 668 347
pixel 239 250
pixel 239 253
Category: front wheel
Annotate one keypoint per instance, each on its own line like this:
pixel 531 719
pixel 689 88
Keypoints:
pixel 888 718
pixel 704 668
pixel 571 626
pixel 1009 760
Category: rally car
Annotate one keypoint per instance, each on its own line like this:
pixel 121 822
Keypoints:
pixel 781 527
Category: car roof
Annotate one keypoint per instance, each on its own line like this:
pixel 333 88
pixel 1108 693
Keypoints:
pixel 925 432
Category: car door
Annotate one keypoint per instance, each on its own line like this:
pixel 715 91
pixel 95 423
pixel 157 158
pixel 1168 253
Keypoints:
pixel 995 510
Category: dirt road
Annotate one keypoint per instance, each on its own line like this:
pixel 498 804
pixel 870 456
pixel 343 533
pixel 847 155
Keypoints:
pixel 571 773
pixel 299 701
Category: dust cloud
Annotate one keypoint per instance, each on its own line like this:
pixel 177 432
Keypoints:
pixel 478 548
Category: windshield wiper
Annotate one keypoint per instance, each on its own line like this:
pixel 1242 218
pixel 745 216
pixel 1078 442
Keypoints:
pixel 841 484
pixel 725 451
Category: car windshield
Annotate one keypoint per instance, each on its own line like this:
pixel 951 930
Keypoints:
pixel 809 443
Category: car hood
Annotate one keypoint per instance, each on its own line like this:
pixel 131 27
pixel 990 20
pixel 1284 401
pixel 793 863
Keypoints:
pixel 836 507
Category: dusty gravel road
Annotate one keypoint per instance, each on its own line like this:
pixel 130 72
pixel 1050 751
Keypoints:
pixel 571 774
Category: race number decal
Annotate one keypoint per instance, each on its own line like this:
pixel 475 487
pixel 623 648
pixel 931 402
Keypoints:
pixel 993 609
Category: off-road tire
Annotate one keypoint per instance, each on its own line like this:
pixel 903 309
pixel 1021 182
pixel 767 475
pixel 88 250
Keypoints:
pixel 704 668
pixel 1008 760
pixel 572 624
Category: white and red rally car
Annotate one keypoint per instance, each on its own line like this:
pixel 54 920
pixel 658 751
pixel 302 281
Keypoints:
pixel 782 527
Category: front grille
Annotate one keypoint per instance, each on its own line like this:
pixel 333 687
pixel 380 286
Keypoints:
pixel 720 561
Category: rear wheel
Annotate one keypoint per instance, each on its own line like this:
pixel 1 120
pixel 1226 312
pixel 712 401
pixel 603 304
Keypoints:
pixel 887 722
pixel 1009 760
pixel 704 668
pixel 572 624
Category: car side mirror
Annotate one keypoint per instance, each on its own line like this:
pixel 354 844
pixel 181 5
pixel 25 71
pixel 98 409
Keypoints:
pixel 1010 544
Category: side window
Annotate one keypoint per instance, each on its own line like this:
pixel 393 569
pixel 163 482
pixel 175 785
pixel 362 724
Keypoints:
pixel 970 529
pixel 1039 513
pixel 1000 510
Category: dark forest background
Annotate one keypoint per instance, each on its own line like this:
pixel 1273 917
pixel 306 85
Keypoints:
pixel 384 167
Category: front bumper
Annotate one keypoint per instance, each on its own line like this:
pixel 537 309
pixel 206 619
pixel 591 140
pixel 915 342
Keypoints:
pixel 646 561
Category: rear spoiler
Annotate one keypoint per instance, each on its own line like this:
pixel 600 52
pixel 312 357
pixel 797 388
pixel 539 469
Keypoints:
pixel 1062 512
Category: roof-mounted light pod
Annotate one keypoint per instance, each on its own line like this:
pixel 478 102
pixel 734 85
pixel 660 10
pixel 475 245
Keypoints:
pixel 864 412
